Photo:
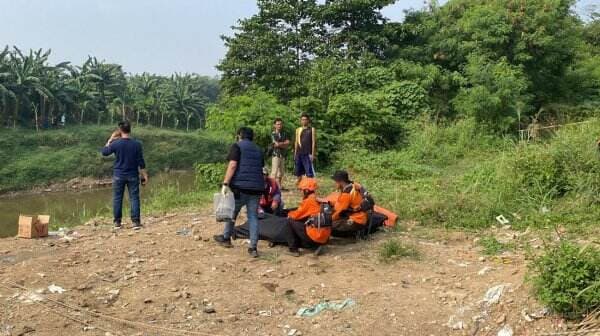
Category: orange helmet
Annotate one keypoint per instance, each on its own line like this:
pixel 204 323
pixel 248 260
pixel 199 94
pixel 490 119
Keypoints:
pixel 308 183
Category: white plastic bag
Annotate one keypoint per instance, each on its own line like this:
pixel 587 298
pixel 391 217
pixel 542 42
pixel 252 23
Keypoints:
pixel 224 205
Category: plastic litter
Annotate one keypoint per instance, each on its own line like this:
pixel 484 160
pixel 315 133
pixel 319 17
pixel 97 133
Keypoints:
pixel 329 305
pixel 502 220
pixel 494 294
pixel 505 331
pixel 64 234
pixel 184 232
pixel 54 289
pixel 30 297
pixel 224 205
pixel 484 270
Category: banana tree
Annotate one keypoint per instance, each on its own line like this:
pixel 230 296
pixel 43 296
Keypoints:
pixel 109 80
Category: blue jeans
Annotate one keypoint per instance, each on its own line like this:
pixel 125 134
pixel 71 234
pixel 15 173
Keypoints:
pixel 133 187
pixel 251 204
pixel 303 166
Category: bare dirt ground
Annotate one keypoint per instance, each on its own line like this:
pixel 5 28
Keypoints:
pixel 183 281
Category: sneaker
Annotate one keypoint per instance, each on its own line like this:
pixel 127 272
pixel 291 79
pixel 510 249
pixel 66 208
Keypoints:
pixel 222 241
pixel 253 252
pixel 294 252
pixel 137 226
pixel 319 251
pixel 118 225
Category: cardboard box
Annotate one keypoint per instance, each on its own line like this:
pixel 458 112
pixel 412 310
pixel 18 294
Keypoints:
pixel 33 226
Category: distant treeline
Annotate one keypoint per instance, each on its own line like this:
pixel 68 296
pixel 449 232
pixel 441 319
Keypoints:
pixel 37 94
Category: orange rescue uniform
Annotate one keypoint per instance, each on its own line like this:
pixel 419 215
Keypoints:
pixel 310 207
pixel 349 200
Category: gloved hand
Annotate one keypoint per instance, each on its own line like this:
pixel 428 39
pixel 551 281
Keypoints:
pixel 225 190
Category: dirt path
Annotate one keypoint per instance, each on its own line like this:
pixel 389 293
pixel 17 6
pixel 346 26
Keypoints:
pixel 186 282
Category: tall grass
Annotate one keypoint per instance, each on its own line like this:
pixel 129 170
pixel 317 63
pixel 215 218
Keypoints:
pixel 456 176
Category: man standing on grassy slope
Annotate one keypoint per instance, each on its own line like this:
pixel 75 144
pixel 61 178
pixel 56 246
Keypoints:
pixel 305 148
pixel 280 144
pixel 128 165
pixel 244 177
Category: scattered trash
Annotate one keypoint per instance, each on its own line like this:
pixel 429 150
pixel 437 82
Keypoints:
pixel 493 294
pixel 318 308
pixel 454 324
pixel 209 310
pixel 184 232
pixel 294 332
pixel 484 270
pixel 544 210
pixel 31 297
pixel 54 289
pixel 540 313
pixel 114 291
pixel 271 287
pixel 502 220
pixel 456 321
pixel 64 234
pixel 526 316
pixel 459 264
pixel 505 331
pixel 265 313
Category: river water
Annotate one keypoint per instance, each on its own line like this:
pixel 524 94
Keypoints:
pixel 68 208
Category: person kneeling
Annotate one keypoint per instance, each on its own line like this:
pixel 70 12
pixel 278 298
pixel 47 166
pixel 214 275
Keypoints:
pixel 304 230
pixel 271 201
pixel 348 215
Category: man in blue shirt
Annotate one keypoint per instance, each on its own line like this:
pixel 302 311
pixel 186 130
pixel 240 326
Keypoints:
pixel 128 165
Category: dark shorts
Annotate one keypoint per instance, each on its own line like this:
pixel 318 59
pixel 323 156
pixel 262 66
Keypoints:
pixel 303 166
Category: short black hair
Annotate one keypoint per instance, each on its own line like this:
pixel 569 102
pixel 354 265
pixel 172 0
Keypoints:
pixel 246 133
pixel 305 115
pixel 341 176
pixel 277 120
pixel 125 126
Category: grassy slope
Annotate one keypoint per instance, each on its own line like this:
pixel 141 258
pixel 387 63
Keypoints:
pixel 457 177
pixel 30 159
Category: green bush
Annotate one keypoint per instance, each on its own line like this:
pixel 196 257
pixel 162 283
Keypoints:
pixel 567 278
pixel 210 175
pixel 256 109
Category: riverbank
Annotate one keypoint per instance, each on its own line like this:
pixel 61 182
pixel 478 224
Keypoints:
pixel 79 200
pixel 171 275
pixel 39 160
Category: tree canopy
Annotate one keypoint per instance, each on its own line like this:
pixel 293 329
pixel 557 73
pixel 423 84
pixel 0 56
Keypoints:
pixel 501 62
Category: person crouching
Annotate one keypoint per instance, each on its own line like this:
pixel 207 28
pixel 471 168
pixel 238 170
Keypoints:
pixel 302 233
pixel 271 201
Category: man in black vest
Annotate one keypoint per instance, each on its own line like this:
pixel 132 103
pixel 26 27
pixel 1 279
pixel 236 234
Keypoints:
pixel 244 177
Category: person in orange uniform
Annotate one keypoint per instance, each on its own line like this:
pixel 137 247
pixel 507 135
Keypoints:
pixel 301 234
pixel 347 213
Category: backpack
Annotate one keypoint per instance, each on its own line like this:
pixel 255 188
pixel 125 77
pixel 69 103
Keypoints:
pixel 323 219
pixel 368 202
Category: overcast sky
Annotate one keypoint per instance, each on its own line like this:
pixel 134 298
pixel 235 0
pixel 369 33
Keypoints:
pixel 159 36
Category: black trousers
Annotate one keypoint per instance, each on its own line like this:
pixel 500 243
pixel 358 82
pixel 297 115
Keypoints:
pixel 297 237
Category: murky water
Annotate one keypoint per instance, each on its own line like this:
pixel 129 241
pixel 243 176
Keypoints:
pixel 74 207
